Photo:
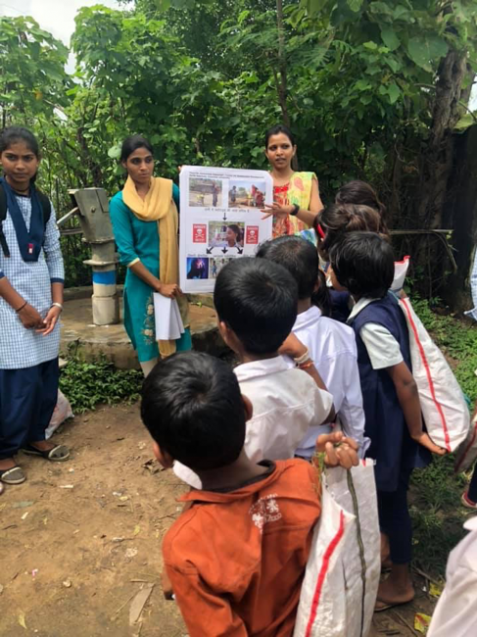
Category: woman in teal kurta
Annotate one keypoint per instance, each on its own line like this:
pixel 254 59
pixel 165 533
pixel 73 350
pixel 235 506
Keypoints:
pixel 138 243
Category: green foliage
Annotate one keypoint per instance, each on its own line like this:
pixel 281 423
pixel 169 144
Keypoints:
pixel 89 384
pixel 33 80
pixel 436 513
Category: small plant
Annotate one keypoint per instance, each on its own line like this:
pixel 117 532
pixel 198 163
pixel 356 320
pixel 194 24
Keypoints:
pixel 89 384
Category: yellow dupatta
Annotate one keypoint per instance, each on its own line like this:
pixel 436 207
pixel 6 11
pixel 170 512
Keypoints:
pixel 159 206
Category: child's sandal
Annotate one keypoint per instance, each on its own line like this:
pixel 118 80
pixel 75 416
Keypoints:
pixel 60 453
pixel 14 475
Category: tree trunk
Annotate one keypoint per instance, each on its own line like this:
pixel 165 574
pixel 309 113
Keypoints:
pixel 282 66
pixel 436 163
pixel 460 214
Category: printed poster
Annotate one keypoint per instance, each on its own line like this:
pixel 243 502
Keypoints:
pixel 220 220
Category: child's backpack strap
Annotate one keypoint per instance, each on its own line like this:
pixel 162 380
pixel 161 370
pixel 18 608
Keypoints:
pixel 45 206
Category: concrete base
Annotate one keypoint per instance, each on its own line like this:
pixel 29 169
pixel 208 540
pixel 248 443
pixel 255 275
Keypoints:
pixel 80 337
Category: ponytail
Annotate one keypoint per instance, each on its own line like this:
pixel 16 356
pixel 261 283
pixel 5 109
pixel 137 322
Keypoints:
pixel 340 219
pixel 322 297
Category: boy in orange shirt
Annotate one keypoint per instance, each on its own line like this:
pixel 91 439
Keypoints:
pixel 236 558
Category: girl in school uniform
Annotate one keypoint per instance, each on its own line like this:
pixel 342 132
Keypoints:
pixel 362 263
pixel 31 297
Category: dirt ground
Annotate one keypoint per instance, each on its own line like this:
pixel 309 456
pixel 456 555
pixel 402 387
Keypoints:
pixel 79 540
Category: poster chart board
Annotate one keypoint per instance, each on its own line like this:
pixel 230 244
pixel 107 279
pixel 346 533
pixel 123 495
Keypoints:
pixel 220 219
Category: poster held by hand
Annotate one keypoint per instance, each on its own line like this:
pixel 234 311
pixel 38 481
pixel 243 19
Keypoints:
pixel 221 219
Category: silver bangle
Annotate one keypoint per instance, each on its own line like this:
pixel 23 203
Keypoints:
pixel 57 305
pixel 302 359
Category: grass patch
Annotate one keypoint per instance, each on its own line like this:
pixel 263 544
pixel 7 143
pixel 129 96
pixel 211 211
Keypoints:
pixel 89 384
pixel 435 491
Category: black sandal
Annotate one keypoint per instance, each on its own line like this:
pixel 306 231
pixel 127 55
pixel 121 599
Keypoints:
pixel 60 453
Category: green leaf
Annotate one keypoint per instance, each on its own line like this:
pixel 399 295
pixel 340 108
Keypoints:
pixel 426 50
pixel 114 152
pixel 314 6
pixel 362 85
pixel 390 38
pixel 393 64
pixel 355 5
pixel 394 92
pixel 372 46
pixel 467 120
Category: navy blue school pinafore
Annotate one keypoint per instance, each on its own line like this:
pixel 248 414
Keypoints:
pixel 391 445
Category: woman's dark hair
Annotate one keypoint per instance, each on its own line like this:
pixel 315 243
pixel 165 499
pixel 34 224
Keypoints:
pixel 258 300
pixel 339 219
pixel 363 263
pixel 234 227
pixel 14 134
pixel 276 130
pixel 132 143
pixel 193 408
pixel 363 194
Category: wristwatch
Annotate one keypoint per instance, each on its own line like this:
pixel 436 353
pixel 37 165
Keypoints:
pixel 295 211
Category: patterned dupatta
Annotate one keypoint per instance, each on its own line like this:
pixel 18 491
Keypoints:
pixel 297 191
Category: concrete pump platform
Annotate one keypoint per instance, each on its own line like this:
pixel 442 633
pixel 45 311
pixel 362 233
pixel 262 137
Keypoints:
pixel 79 337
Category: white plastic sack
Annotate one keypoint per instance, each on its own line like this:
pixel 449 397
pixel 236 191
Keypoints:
pixel 322 607
pixel 468 450
pixel 341 581
pixel 400 272
pixel 60 414
pixel 443 405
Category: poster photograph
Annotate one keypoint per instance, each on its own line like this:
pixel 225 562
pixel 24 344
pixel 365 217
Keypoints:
pixel 221 219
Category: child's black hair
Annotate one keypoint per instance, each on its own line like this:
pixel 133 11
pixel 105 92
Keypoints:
pixel 276 130
pixel 132 143
pixel 14 134
pixel 298 256
pixel 193 408
pixel 258 300
pixel 363 263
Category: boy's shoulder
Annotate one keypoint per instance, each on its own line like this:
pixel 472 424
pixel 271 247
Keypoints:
pixel 278 371
pixel 276 384
pixel 332 335
pixel 214 518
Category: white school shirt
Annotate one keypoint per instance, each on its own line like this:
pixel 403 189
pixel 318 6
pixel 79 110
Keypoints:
pixel 332 347
pixel 456 612
pixel 286 403
pixel 383 349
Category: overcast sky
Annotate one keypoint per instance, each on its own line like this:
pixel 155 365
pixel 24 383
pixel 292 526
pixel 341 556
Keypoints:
pixel 55 16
